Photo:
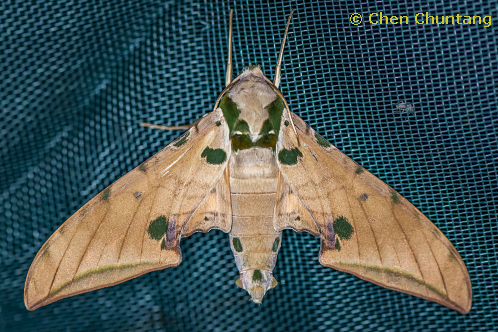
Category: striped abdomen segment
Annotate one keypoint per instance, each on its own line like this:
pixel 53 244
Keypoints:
pixel 253 239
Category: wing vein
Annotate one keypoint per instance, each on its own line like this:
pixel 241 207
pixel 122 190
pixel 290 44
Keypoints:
pixel 437 263
pixel 146 221
pixel 410 246
pixel 64 255
pixel 373 234
pixel 127 229
pixel 88 245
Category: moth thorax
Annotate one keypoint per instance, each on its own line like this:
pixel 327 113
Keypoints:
pixel 252 94
pixel 257 283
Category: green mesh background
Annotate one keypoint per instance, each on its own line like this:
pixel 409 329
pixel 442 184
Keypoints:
pixel 76 78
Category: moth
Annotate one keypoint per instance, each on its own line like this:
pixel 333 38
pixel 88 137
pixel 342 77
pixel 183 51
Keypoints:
pixel 250 168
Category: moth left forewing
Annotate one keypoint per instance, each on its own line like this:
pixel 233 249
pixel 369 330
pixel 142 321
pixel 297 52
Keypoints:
pixel 134 225
pixel 366 227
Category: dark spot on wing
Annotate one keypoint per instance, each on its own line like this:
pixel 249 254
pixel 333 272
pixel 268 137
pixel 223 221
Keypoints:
pixel 330 235
pixel 343 228
pixel 106 194
pixel 214 156
pixel 182 140
pixel 171 234
pixel 158 228
pixel 289 157
pixel 322 141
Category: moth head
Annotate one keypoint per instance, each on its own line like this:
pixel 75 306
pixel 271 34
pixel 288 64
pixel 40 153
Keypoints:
pixel 256 283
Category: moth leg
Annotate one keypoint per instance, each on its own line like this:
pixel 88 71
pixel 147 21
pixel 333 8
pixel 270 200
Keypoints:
pixel 186 127
pixel 228 76
pixel 143 124
pixel 278 75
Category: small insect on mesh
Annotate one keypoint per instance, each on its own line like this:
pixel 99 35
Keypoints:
pixel 415 104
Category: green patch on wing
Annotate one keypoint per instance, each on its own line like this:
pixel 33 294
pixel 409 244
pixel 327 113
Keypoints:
pixel 182 140
pixel 46 253
pixel 289 157
pixel 236 244
pixel 286 123
pixel 394 197
pixel 142 168
pixel 359 170
pixel 158 228
pixel 275 109
pixel 95 271
pixel 218 123
pixel 230 111
pixel 322 141
pixel 392 273
pixel 275 244
pixel 257 275
pixel 214 156
pixel 343 228
pixel 106 194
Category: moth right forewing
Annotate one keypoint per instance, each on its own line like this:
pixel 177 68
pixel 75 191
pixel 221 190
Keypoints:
pixel 366 227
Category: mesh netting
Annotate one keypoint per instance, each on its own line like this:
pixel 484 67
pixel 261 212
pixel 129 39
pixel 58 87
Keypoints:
pixel 414 104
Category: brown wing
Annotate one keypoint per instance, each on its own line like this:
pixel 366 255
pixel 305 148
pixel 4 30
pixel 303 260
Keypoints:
pixel 290 213
pixel 133 226
pixel 366 227
pixel 215 211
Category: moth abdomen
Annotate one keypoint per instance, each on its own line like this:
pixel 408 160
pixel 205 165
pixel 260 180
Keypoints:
pixel 253 238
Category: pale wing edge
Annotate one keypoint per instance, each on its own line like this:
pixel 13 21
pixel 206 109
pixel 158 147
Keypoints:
pixel 449 304
pixel 49 299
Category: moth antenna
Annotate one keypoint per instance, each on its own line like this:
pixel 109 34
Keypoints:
pixel 143 124
pixel 276 80
pixel 278 74
pixel 228 77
